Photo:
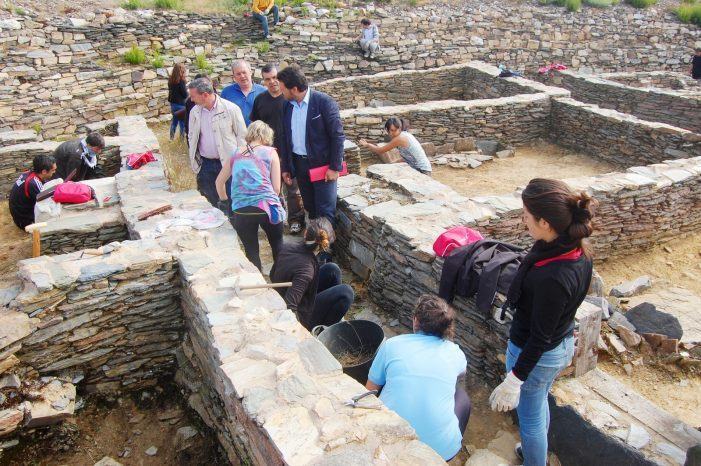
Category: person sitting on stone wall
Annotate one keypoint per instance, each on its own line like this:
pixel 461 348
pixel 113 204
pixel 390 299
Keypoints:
pixel 80 155
pixel 408 146
pixel 261 10
pixel 418 377
pixel 369 38
pixel 317 295
pixel 23 195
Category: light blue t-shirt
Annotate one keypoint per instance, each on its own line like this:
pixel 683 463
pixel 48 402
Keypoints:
pixel 299 124
pixel 418 374
pixel 233 94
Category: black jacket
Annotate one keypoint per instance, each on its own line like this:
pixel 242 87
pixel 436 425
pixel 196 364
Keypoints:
pixel 298 265
pixel 177 93
pixel 23 197
pixel 69 157
pixel 324 134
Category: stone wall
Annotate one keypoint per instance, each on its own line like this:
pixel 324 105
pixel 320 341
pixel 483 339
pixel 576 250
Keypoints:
pixel 510 120
pixel 62 73
pixel 618 137
pixel 674 107
pixel 659 79
pixel 88 229
pixel 112 314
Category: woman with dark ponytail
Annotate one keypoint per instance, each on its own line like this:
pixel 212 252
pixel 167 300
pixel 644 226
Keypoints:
pixel 549 286
pixel 401 139
pixel 317 295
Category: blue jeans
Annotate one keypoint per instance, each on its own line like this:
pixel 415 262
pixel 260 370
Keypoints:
pixel 174 123
pixel 533 411
pixel 264 19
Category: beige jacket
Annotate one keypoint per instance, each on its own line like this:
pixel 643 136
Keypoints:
pixel 229 129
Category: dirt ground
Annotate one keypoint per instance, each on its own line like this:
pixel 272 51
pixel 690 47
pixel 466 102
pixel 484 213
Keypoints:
pixel 501 176
pixel 114 425
pixel 15 244
pixel 176 159
pixel 677 262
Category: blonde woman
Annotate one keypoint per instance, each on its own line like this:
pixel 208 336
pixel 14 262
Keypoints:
pixel 255 192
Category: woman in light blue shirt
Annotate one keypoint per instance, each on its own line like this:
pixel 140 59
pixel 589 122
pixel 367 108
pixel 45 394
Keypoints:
pixel 418 376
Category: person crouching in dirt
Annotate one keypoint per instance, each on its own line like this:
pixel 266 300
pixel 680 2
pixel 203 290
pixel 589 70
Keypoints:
pixel 23 195
pixel 550 284
pixel 418 374
pixel 406 144
pixel 317 295
pixel 80 155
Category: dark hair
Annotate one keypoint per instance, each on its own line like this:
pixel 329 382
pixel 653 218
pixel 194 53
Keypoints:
pixel 201 75
pixel 268 67
pixel 95 139
pixel 365 22
pixel 568 213
pixel 177 74
pixel 316 237
pixel 292 76
pixel 43 162
pixel 434 316
pixel 397 122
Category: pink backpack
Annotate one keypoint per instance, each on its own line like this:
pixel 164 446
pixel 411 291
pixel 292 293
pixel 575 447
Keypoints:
pixel 454 238
pixel 70 192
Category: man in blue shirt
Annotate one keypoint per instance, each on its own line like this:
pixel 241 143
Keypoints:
pixel 418 373
pixel 244 91
pixel 312 138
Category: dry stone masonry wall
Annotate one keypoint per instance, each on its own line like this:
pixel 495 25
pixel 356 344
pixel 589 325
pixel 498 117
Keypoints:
pixel 680 108
pixel 60 73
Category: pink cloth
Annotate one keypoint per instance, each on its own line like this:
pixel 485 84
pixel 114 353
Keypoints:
pixel 207 145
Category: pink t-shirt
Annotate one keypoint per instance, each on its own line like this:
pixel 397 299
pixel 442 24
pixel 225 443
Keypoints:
pixel 206 144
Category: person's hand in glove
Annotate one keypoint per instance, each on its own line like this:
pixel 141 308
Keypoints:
pixel 505 396
pixel 225 206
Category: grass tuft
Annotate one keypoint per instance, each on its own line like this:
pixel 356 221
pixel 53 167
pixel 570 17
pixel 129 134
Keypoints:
pixel 202 64
pixel 689 14
pixel 157 60
pixel 135 56
pixel 641 3
pixel 132 5
pixel 166 4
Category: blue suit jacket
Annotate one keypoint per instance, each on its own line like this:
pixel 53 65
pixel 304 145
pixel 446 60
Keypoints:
pixel 324 136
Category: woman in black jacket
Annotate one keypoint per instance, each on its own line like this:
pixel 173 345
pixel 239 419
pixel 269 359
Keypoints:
pixel 549 286
pixel 317 295
pixel 177 93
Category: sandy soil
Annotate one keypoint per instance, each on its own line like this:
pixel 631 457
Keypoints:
pixel 677 262
pixel 677 393
pixel 108 427
pixel 500 176
pixel 176 159
pixel 15 244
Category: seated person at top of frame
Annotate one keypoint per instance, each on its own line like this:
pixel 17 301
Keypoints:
pixel 317 295
pixel 418 375
pixel 408 146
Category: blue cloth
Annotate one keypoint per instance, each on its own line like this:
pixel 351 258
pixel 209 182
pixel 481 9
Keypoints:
pixel 533 410
pixel 323 139
pixel 264 19
pixel 175 123
pixel 299 124
pixel 418 373
pixel 233 94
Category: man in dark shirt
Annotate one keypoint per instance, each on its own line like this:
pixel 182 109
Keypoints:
pixel 80 155
pixel 23 195
pixel 268 107
pixel 696 65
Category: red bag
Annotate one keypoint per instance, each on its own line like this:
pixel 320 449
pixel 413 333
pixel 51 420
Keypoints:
pixel 135 161
pixel 319 173
pixel 73 193
pixel 454 238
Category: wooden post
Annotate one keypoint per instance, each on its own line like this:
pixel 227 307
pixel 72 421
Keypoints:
pixel 589 328
pixel 35 230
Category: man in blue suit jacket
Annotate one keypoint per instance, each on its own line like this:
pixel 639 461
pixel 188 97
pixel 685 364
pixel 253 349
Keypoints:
pixel 312 137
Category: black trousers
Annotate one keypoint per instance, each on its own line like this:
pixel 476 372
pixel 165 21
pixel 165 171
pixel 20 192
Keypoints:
pixel 246 221
pixel 333 299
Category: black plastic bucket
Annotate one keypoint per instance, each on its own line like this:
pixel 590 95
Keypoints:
pixel 352 337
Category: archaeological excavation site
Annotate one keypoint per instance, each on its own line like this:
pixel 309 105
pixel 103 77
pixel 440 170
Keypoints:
pixel 133 328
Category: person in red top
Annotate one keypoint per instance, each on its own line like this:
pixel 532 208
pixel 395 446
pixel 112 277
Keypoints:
pixel 23 195
pixel 550 284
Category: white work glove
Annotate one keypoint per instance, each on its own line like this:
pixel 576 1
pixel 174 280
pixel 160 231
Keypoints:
pixel 505 396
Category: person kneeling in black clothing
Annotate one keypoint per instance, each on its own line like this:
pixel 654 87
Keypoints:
pixel 317 295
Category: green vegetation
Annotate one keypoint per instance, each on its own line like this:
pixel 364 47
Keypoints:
pixel 689 14
pixel 573 5
pixel 135 55
pixel 263 46
pixel 157 60
pixel 599 3
pixel 37 128
pixel 641 3
pixel 166 4
pixel 132 5
pixel 19 11
pixel 202 64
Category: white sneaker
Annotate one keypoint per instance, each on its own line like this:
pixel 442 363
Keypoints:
pixel 367 55
pixel 371 56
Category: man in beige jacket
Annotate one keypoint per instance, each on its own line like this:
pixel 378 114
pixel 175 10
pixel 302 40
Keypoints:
pixel 216 129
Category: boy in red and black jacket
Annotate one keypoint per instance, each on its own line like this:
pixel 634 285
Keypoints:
pixel 23 195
